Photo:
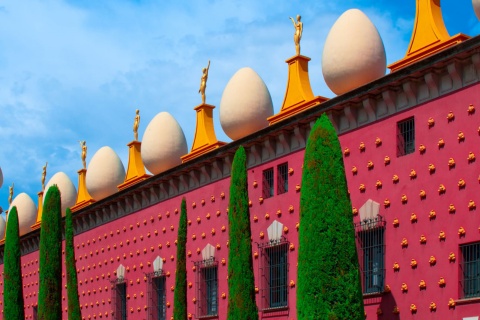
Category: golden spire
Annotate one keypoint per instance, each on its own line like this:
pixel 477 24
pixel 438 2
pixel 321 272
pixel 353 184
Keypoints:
pixel 429 34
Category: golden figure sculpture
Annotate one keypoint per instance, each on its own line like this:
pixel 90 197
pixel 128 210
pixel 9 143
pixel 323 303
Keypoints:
pixel 136 124
pixel 203 82
pixel 10 194
pixel 44 174
pixel 83 145
pixel 298 25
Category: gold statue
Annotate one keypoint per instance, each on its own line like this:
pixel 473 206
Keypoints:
pixel 203 82
pixel 136 124
pixel 298 33
pixel 83 145
pixel 10 194
pixel 44 174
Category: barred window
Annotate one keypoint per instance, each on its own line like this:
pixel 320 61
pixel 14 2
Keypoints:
pixel 274 274
pixel 371 250
pixel 267 183
pixel 207 286
pixel 282 178
pixel 119 299
pixel 405 137
pixel 35 312
pixel 470 270
pixel 156 296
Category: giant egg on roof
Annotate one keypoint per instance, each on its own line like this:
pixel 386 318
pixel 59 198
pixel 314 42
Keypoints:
pixel 105 172
pixel 163 143
pixel 2 227
pixel 68 193
pixel 246 104
pixel 353 54
pixel 1 177
pixel 476 8
pixel 27 212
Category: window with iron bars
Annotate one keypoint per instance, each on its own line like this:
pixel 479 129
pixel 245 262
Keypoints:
pixel 371 251
pixel 119 299
pixel 156 296
pixel 282 178
pixel 273 270
pixel 267 183
pixel 470 270
pixel 207 288
pixel 405 137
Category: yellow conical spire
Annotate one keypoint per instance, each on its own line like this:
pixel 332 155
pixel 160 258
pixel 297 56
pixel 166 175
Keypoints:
pixel 429 34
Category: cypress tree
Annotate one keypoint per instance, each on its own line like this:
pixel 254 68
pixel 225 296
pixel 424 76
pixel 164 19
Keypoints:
pixel 180 295
pixel 328 285
pixel 74 312
pixel 13 297
pixel 50 293
pixel 241 285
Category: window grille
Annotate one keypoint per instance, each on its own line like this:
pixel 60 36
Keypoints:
pixel 156 296
pixel 371 250
pixel 268 183
pixel 282 178
pixel 405 137
pixel 273 269
pixel 207 288
pixel 470 270
pixel 119 299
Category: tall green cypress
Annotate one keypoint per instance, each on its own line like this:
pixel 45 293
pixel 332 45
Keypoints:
pixel 241 285
pixel 180 295
pixel 328 285
pixel 13 296
pixel 50 293
pixel 74 312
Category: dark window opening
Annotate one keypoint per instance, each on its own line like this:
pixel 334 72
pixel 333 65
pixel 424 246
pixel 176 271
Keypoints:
pixel 35 312
pixel 282 178
pixel 274 274
pixel 119 299
pixel 405 137
pixel 470 270
pixel 371 249
pixel 156 296
pixel 207 286
pixel 267 183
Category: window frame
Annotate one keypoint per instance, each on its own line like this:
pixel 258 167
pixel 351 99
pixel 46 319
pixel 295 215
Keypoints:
pixel 267 271
pixel 469 288
pixel 282 178
pixel 406 136
pixel 370 238
pixel 207 295
pixel 157 310
pixel 119 300
pixel 268 186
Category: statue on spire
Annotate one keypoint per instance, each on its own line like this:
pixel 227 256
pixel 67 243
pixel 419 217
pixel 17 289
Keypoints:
pixel 10 193
pixel 83 145
pixel 44 174
pixel 298 25
pixel 203 82
pixel 136 124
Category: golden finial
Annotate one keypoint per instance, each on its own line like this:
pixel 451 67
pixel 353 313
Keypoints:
pixel 136 124
pixel 298 25
pixel 203 82
pixel 44 174
pixel 83 145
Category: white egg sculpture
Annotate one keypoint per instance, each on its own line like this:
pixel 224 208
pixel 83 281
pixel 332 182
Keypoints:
pixel 2 227
pixel 1 178
pixel 353 54
pixel 68 192
pixel 246 104
pixel 476 8
pixel 27 212
pixel 105 172
pixel 163 143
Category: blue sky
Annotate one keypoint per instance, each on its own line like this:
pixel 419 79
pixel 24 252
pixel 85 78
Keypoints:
pixel 77 70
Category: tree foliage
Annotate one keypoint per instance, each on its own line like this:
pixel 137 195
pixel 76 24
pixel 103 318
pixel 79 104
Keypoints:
pixel 180 296
pixel 74 312
pixel 328 285
pixel 241 285
pixel 50 293
pixel 13 296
